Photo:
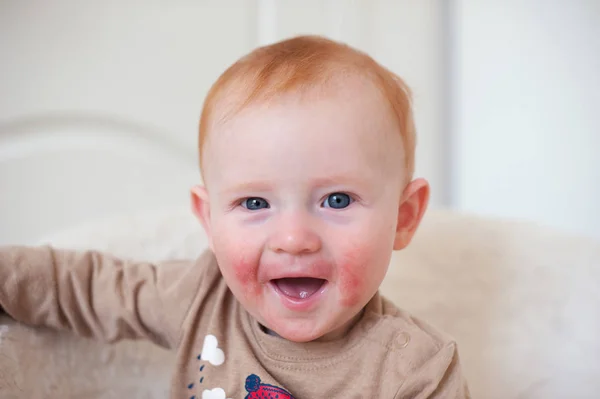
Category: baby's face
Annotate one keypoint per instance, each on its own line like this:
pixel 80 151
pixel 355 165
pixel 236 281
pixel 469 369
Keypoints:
pixel 301 207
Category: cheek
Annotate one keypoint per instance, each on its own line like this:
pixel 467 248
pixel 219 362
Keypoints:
pixel 353 276
pixel 246 276
pixel 361 272
pixel 242 269
pixel 239 266
pixel 241 276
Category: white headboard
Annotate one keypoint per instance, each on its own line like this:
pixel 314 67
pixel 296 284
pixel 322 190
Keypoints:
pixel 64 170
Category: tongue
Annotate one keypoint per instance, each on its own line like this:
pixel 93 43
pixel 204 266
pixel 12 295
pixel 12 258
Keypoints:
pixel 300 288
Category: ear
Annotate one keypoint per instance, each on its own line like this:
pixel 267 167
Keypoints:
pixel 413 204
pixel 201 208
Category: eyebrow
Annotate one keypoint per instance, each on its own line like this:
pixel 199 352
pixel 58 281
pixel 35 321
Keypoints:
pixel 262 186
pixel 340 180
pixel 253 186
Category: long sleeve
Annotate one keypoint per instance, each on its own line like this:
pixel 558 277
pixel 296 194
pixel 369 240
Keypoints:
pixel 98 295
pixel 440 377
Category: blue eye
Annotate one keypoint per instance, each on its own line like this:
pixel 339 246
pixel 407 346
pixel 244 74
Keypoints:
pixel 254 203
pixel 337 201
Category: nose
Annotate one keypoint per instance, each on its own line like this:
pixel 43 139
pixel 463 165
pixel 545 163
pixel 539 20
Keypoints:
pixel 295 235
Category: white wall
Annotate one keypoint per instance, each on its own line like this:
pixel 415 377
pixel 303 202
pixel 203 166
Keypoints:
pixel 522 75
pixel 526 102
pixel 99 105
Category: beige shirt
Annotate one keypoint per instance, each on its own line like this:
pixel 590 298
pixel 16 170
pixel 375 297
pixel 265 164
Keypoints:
pixel 186 306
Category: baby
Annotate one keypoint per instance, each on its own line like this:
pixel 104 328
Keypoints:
pixel 307 153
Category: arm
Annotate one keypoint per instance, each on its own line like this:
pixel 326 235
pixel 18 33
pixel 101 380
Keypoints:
pixel 97 295
pixel 440 377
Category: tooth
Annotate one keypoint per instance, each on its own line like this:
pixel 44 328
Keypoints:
pixel 303 294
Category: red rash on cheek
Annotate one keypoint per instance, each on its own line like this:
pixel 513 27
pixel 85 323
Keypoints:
pixel 246 276
pixel 243 271
pixel 352 278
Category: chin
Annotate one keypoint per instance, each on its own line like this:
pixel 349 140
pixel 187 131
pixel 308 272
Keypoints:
pixel 302 333
pixel 299 334
pixel 299 338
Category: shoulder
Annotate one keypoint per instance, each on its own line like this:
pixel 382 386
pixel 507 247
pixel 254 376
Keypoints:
pixel 420 357
pixel 408 341
pixel 211 295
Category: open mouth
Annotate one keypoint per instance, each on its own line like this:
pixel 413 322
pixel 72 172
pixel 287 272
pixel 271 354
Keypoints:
pixel 299 287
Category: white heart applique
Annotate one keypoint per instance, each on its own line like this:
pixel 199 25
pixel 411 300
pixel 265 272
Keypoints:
pixel 217 393
pixel 211 352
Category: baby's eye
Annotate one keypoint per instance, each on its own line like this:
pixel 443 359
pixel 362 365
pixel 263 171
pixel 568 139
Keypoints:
pixel 254 203
pixel 337 201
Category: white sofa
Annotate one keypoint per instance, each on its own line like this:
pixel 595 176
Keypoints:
pixel 522 301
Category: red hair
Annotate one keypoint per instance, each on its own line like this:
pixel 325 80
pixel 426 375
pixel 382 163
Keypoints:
pixel 298 64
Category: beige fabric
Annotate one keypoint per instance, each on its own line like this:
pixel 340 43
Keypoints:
pixel 521 301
